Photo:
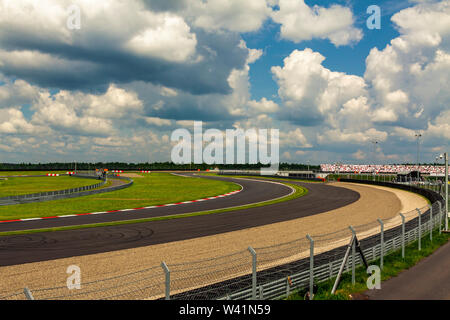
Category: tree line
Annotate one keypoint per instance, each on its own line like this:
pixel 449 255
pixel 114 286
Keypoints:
pixel 58 166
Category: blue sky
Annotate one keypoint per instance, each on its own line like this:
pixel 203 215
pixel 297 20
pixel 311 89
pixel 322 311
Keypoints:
pixel 349 59
pixel 113 90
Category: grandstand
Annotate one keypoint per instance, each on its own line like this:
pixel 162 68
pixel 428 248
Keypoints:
pixel 389 168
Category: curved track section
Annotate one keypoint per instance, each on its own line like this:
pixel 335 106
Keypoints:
pixel 253 191
pixel 61 244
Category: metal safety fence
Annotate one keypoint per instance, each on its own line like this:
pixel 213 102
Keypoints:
pixel 304 273
pixel 68 193
pixel 57 194
pixel 271 272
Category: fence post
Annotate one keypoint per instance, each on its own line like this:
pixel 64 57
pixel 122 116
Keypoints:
pixel 420 228
pixel 353 254
pixel 440 217
pixel 311 267
pixel 288 287
pixel 381 243
pixel 403 235
pixel 28 294
pixel 167 286
pixel 253 253
pixel 431 222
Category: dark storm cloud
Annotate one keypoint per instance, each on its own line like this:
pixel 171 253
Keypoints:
pixel 188 107
pixel 307 117
pixel 183 106
pixel 165 5
pixel 98 62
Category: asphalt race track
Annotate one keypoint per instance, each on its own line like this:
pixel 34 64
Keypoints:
pixel 427 280
pixel 62 244
pixel 253 192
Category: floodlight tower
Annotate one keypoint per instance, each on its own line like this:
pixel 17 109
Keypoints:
pixel 375 143
pixel 445 157
pixel 418 135
pixel 446 190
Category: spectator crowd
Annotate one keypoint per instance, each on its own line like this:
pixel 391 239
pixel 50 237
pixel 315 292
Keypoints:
pixel 383 168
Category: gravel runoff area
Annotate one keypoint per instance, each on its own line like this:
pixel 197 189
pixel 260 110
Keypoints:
pixel 375 202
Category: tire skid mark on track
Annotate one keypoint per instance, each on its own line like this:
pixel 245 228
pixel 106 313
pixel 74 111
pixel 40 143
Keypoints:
pixel 43 243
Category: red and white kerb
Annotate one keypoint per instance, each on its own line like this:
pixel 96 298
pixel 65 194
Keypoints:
pixel 126 210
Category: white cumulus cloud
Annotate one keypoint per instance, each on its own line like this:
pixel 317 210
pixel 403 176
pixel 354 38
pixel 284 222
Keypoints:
pixel 299 22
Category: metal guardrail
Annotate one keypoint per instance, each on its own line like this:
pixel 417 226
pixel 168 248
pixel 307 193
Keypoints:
pixel 50 195
pixel 283 287
pixel 267 273
pixel 67 193
pixel 375 247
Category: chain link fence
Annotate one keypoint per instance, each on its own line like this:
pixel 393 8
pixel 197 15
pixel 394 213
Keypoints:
pixel 271 272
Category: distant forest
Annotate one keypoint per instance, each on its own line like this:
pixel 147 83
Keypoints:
pixel 57 166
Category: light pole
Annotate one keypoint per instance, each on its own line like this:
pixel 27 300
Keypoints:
pixel 338 167
pixel 446 190
pixel 375 143
pixel 445 156
pixel 418 136
pixel 374 150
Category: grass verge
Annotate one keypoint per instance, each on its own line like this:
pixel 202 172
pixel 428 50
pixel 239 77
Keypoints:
pixel 393 264
pixel 299 192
